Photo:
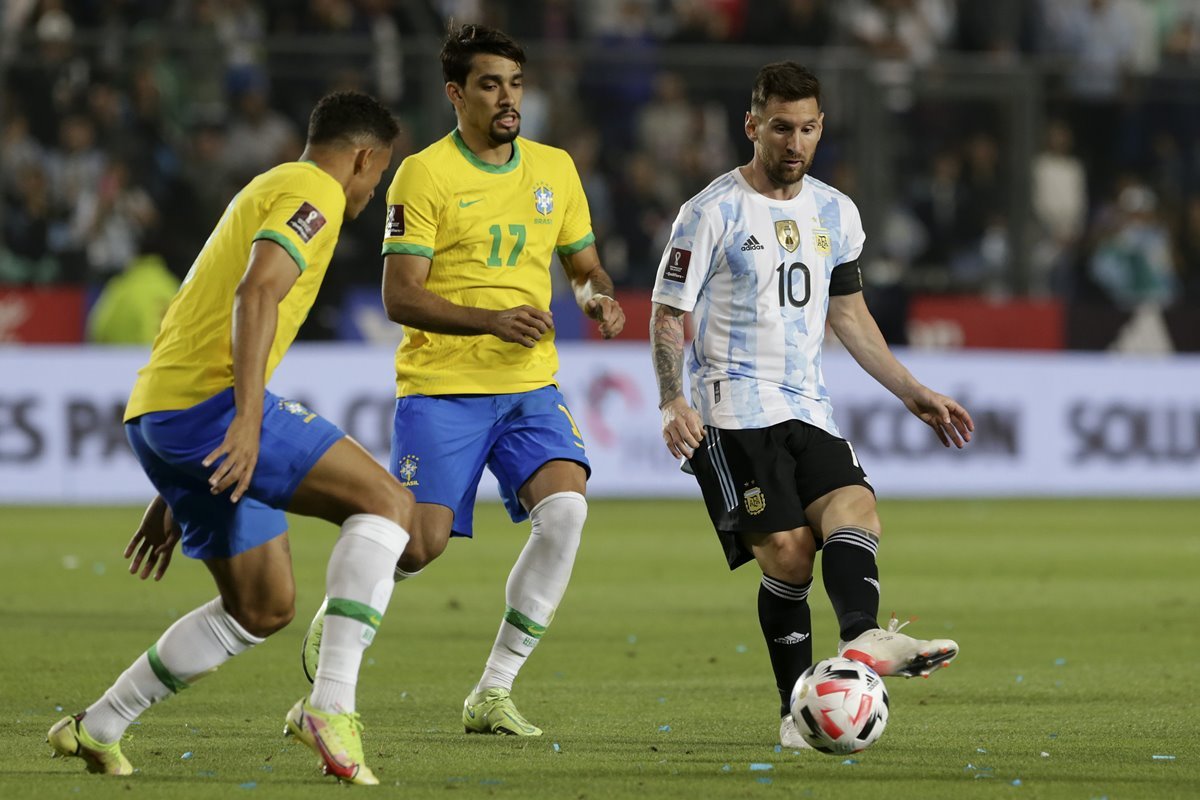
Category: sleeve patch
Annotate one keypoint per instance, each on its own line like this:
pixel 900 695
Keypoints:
pixel 306 222
pixel 395 222
pixel 677 265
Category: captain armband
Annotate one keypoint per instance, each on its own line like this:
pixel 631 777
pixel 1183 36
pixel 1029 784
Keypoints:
pixel 845 279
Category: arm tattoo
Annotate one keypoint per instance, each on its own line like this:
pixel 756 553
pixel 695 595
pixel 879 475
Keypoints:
pixel 666 343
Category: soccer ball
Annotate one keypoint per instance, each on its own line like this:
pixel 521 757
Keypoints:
pixel 840 706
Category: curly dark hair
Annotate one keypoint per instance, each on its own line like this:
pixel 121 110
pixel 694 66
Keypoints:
pixel 464 42
pixel 351 117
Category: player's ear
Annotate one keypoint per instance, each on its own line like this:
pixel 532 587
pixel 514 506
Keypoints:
pixel 751 126
pixel 454 93
pixel 362 159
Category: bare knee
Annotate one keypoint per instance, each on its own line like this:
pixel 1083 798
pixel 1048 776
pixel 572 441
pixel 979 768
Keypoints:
pixel 788 556
pixel 385 497
pixel 264 617
pixel 422 550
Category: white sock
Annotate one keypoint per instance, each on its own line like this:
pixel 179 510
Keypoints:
pixel 359 585
pixel 400 575
pixel 536 585
pixel 193 647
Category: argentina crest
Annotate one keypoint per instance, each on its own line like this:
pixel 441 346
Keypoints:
pixel 788 234
pixel 755 500
pixel 543 199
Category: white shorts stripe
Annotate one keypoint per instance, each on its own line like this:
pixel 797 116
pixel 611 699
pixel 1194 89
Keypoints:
pixel 717 456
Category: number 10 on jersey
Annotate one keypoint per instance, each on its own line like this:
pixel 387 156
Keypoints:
pixel 787 285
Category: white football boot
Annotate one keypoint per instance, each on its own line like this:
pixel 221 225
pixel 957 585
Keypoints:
pixel 789 736
pixel 889 652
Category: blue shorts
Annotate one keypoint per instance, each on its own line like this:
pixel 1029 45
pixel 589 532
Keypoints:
pixel 172 444
pixel 441 444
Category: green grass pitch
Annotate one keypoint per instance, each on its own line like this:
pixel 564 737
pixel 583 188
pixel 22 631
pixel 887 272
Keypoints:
pixel 1077 678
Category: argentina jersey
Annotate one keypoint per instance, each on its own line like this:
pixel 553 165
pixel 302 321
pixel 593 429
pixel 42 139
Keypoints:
pixel 755 274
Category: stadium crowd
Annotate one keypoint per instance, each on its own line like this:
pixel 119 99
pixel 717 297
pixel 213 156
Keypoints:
pixel 126 126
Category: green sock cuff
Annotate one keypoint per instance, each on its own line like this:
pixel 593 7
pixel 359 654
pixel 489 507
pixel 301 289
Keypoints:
pixel 352 609
pixel 162 673
pixel 524 623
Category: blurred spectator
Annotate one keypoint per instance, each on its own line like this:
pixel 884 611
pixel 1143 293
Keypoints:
pixel 791 23
pixel 1132 261
pixel 259 137
pixel 644 208
pixel 130 308
pixel 76 166
pixel 909 31
pixel 50 85
pixel 1189 250
pixel 1060 207
pixel 110 219
pixel 18 149
pixel 26 231
pixel 665 123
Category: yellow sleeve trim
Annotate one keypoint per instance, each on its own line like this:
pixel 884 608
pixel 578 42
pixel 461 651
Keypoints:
pixel 286 244
pixel 572 249
pixel 397 248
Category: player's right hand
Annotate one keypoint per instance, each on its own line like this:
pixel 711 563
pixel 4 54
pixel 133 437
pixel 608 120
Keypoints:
pixel 682 428
pixel 240 452
pixel 523 325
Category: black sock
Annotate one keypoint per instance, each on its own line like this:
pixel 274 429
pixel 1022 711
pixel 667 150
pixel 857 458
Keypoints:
pixel 852 579
pixel 787 627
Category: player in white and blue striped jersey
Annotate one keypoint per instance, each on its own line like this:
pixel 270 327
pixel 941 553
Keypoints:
pixel 763 259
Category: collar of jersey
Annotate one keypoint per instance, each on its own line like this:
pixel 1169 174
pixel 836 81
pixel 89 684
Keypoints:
pixel 479 163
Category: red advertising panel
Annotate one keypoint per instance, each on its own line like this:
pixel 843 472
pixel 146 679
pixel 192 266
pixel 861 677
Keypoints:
pixel 955 321
pixel 41 314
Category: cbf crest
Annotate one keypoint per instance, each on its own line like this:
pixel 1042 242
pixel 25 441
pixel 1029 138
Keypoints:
pixel 755 500
pixel 543 199
pixel 788 234
pixel 407 470
pixel 297 408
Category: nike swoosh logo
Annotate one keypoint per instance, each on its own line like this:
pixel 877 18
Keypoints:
pixel 464 203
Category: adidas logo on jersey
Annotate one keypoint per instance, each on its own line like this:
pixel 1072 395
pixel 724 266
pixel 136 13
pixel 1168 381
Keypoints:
pixel 752 244
pixel 795 637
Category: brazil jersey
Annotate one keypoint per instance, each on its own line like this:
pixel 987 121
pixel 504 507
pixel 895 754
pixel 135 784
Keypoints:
pixel 298 206
pixel 490 232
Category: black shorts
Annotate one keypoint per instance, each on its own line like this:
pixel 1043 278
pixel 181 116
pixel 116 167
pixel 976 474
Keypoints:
pixel 760 480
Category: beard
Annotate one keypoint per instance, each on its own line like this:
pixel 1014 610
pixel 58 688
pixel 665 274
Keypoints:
pixel 505 136
pixel 782 175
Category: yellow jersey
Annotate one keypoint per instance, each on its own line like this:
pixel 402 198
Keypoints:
pixel 298 206
pixel 490 232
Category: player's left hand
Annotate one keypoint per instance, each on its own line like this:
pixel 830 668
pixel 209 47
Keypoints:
pixel 608 313
pixel 153 542
pixel 949 420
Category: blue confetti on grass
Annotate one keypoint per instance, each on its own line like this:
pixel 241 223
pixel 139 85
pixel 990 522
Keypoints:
pixel 664 728
pixel 632 638
pixel 186 755
pixel 741 648
pixel 759 766
pixel 778 748
pixel 726 768
pixel 849 762
pixel 1016 782
pixel 980 749
pixel 765 780
pixel 1059 662
pixel 1158 757
pixel 57 708
pixel 248 785
pixel 556 747
pixel 1020 679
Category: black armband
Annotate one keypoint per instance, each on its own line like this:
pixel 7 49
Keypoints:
pixel 845 279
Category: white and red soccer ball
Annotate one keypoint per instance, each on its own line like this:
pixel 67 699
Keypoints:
pixel 840 706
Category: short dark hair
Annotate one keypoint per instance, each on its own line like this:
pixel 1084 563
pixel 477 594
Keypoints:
pixel 351 117
pixel 785 80
pixel 467 41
